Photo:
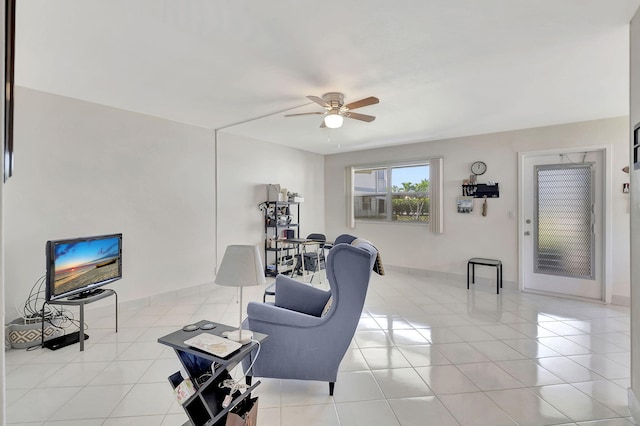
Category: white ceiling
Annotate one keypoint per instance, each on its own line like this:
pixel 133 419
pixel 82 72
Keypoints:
pixel 441 68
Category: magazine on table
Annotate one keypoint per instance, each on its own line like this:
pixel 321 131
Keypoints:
pixel 215 345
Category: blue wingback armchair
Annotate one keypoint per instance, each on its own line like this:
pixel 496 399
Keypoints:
pixel 305 343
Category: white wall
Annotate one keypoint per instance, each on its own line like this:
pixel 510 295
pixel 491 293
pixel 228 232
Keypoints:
pixel 245 166
pixel 634 404
pixel 85 169
pixel 469 235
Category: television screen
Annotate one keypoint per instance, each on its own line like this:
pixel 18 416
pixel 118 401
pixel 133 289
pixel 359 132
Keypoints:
pixel 78 266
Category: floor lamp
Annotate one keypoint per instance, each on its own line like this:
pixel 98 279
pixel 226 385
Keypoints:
pixel 241 267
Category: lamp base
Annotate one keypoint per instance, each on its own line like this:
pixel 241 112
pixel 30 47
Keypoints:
pixel 235 336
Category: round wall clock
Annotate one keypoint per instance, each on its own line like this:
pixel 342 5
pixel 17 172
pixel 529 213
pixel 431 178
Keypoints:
pixel 478 168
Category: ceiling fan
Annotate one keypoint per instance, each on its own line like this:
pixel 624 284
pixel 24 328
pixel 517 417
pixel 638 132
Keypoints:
pixel 336 110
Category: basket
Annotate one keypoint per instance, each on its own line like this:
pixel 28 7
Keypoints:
pixel 23 335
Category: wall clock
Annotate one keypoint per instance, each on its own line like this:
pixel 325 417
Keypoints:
pixel 478 168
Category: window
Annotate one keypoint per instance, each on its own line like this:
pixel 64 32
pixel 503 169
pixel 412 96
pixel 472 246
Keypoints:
pixel 370 194
pixel 396 193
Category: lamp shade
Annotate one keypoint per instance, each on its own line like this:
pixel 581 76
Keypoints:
pixel 241 267
pixel 333 120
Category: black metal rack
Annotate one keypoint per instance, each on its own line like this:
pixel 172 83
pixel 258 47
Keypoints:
pixel 274 226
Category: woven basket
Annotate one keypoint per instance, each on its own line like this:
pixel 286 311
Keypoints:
pixel 23 335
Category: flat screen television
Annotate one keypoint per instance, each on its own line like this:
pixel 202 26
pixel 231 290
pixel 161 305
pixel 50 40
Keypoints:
pixel 77 267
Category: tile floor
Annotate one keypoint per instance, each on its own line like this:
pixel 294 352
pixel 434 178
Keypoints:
pixel 426 352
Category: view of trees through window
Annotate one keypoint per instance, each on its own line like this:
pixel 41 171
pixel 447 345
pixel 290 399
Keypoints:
pixel 394 193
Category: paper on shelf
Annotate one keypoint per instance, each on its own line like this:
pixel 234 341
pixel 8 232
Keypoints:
pixel 184 390
pixel 215 345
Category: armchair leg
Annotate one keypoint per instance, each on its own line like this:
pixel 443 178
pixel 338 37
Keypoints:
pixel 248 380
pixel 331 386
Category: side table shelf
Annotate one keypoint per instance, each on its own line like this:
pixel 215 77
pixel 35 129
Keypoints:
pixel 204 407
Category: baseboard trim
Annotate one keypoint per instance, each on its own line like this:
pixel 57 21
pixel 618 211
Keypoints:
pixel 491 282
pixel 461 278
pixel 206 287
pixel 620 300
pixel 153 299
pixel 634 405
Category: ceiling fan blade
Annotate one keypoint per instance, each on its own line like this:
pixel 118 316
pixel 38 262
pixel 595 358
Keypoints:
pixel 361 117
pixel 319 101
pixel 363 102
pixel 304 113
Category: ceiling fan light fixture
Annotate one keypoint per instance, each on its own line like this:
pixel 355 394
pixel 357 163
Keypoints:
pixel 333 120
pixel 335 110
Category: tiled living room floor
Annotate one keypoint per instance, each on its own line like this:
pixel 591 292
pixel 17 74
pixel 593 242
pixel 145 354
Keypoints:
pixel 426 352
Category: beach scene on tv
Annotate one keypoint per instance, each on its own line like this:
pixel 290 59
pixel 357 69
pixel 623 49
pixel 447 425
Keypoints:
pixel 86 262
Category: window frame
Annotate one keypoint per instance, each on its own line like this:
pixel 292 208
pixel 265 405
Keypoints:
pixel 388 167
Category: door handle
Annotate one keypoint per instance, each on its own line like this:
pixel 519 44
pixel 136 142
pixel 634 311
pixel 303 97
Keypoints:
pixel 527 233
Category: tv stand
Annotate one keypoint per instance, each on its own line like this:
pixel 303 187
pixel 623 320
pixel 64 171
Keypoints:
pixel 86 294
pixel 81 301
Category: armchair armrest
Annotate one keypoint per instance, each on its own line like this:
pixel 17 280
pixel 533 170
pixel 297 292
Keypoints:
pixel 267 313
pixel 295 296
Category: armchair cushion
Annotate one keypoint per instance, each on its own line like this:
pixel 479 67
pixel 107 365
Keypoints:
pixel 275 315
pixel 295 296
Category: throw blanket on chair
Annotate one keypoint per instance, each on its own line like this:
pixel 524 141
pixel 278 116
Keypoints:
pixel 377 266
